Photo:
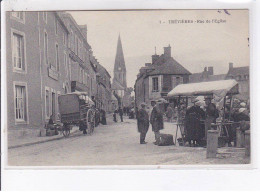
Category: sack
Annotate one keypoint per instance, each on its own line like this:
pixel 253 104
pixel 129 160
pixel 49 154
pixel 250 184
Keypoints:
pixel 165 140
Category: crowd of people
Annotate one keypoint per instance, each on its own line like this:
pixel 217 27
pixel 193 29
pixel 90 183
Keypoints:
pixel 196 118
pixel 125 111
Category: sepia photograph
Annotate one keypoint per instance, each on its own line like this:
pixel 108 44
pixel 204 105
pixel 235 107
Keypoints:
pixel 127 87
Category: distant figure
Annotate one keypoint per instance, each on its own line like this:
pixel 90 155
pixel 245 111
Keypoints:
pixel 51 125
pixel 103 117
pixel 120 112
pixel 132 114
pixel 142 123
pixel 169 113
pixel 124 110
pixel 211 114
pixel 156 121
pixel 114 116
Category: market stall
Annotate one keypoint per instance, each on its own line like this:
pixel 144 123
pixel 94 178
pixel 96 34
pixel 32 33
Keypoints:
pixel 221 92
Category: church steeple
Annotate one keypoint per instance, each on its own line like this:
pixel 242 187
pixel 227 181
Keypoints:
pixel 119 67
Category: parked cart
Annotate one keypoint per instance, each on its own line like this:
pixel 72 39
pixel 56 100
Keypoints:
pixel 77 109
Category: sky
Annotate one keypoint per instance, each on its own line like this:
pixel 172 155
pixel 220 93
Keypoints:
pixel 194 45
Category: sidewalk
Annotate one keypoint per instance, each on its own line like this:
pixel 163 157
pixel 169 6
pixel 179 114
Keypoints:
pixel 27 137
pixel 32 136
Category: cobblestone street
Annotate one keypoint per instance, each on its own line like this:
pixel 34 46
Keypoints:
pixel 115 144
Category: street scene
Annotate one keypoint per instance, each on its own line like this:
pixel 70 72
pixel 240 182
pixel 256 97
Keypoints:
pixel 171 88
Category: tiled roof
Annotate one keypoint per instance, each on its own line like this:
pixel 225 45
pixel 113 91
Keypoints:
pixel 235 71
pixel 195 77
pixel 216 77
pixel 168 66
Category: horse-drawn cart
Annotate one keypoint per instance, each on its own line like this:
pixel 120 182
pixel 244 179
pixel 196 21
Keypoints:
pixel 76 109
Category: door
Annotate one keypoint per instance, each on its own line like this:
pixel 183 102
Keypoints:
pixel 53 105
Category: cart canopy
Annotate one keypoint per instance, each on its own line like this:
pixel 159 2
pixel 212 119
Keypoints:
pixel 217 88
pixel 82 95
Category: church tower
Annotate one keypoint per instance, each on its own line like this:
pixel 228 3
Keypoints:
pixel 119 67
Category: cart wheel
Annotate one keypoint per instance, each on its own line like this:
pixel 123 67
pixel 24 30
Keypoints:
pixel 66 131
pixel 90 122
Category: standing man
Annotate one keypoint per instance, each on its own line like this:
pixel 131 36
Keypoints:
pixel 120 112
pixel 211 114
pixel 156 121
pixel 114 116
pixel 142 123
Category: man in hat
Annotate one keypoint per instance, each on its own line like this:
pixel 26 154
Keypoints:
pixel 156 121
pixel 211 114
pixel 142 123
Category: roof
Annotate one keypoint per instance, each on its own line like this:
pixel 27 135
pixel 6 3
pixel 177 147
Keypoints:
pixel 219 88
pixel 169 67
pixel 199 77
pixel 113 97
pixel 235 71
pixel 216 77
pixel 195 77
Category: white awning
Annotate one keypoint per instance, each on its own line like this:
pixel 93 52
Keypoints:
pixel 218 88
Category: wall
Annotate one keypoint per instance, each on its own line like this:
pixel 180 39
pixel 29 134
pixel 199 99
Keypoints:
pixel 36 77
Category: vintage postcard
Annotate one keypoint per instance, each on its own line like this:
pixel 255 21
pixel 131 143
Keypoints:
pixel 127 87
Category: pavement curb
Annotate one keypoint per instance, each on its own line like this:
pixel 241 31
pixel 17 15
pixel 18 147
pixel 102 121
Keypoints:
pixel 39 142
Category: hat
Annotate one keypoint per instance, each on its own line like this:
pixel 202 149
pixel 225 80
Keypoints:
pixel 241 110
pixel 143 104
pixel 193 100
pixel 198 103
pixel 242 104
pixel 207 97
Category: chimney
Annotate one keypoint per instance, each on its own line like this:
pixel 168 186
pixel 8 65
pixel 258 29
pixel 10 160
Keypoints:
pixel 154 58
pixel 205 69
pixel 230 65
pixel 210 70
pixel 167 51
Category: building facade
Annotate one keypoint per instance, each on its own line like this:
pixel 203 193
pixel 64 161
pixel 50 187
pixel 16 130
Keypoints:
pixel 82 64
pixel 104 89
pixel 47 55
pixel 206 75
pixel 156 79
pixel 36 67
pixel 241 75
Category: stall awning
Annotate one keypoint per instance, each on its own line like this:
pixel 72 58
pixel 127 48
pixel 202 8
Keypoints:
pixel 218 88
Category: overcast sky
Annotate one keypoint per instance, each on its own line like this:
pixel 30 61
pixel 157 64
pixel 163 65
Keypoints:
pixel 193 45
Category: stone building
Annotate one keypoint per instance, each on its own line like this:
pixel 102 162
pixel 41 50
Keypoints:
pixel 82 64
pixel 156 79
pixel 241 75
pixel 104 89
pixel 206 75
pixel 36 67
pixel 47 55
